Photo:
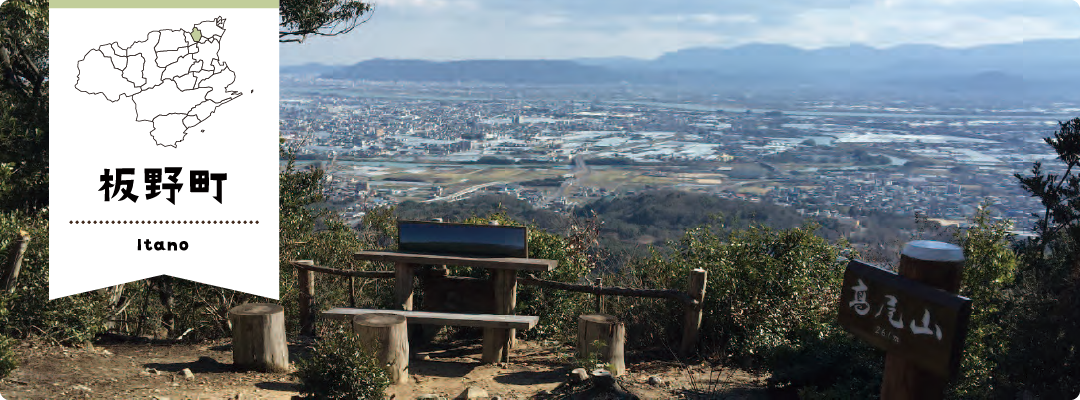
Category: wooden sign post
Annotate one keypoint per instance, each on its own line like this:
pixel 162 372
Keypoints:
pixel 915 316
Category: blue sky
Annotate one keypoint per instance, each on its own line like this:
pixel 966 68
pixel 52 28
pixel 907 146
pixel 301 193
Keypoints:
pixel 559 29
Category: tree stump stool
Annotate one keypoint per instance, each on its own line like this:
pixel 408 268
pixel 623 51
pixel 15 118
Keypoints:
pixel 259 337
pixel 388 334
pixel 605 328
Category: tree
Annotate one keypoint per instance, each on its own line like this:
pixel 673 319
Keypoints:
pixel 1045 308
pixel 303 18
pixel 991 267
pixel 24 104
pixel 1059 194
pixel 24 29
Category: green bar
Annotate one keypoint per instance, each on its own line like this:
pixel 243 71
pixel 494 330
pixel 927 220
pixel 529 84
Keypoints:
pixel 163 4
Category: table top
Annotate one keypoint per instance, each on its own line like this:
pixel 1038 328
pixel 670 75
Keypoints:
pixel 520 264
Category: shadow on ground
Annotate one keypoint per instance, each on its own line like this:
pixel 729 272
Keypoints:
pixel 527 378
pixel 441 368
pixel 278 386
pixel 206 364
pixel 201 366
pixel 740 394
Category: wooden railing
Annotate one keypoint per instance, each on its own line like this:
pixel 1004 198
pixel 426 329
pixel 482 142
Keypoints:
pixel 691 301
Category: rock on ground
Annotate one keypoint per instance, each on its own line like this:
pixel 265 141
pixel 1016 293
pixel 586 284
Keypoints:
pixel 473 392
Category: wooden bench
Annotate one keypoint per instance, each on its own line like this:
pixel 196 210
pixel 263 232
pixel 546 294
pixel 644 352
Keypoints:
pixel 446 319
pixel 498 340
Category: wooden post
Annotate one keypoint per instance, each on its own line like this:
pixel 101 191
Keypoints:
pixel 388 335
pixel 259 337
pixel 352 293
pixel 403 291
pixel 696 289
pixel 11 274
pixel 114 294
pixel 498 341
pixel 935 264
pixel 605 328
pixel 305 280
pixel 599 297
pixel 166 294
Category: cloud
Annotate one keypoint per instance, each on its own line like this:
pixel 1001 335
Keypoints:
pixel 705 19
pixel 545 20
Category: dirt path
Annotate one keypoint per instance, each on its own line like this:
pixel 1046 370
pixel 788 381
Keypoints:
pixel 153 371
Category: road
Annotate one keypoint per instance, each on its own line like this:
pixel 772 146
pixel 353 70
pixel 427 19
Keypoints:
pixel 580 171
pixel 458 195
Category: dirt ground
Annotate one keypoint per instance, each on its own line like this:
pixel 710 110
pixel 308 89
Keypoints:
pixel 125 370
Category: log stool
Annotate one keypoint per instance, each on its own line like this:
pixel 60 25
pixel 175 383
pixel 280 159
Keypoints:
pixel 259 337
pixel 388 334
pixel 606 328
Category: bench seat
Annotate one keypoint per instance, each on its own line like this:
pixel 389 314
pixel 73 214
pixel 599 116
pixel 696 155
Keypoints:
pixel 522 322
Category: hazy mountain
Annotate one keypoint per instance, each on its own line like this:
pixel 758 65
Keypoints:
pixel 615 62
pixel 1031 58
pixel 1032 68
pixel 308 69
pixel 490 71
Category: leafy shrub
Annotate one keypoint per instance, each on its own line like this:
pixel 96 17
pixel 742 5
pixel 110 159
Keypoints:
pixel 71 319
pixel 309 232
pixel 766 288
pixel 341 368
pixel 592 359
pixel 576 257
pixel 7 357
pixel 989 270
pixel 770 304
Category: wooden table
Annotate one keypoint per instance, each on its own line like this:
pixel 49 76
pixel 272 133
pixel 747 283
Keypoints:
pixel 497 341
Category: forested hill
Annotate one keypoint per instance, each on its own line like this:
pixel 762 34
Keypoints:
pixel 657 216
pixel 647 218
pixel 630 223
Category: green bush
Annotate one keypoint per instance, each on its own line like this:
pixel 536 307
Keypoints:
pixel 71 319
pixel 989 270
pixel 558 310
pixel 309 232
pixel 766 288
pixel 770 305
pixel 339 367
pixel 8 363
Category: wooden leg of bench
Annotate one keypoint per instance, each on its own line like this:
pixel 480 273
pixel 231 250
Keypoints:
pixel 403 286
pixel 498 342
pixel 496 345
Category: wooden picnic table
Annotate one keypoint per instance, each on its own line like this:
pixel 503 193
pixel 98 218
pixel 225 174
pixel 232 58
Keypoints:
pixel 497 341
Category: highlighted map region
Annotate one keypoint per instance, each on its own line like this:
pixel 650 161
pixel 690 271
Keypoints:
pixel 174 78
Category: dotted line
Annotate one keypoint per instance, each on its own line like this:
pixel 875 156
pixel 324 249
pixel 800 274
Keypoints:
pixel 159 222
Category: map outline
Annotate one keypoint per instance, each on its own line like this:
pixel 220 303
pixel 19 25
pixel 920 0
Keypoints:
pixel 203 65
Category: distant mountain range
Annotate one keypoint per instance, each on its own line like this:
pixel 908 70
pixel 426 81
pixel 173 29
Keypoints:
pixel 493 71
pixel 308 69
pixel 1031 68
